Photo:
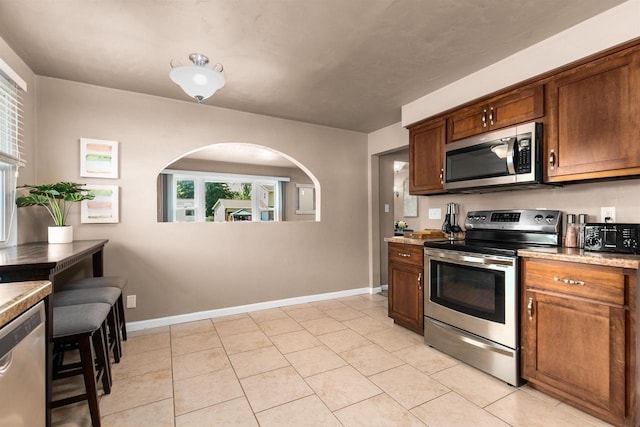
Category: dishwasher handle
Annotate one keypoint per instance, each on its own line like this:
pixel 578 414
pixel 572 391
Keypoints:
pixel 15 331
pixel 5 363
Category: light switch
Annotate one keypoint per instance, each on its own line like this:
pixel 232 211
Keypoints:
pixel 435 213
pixel 386 208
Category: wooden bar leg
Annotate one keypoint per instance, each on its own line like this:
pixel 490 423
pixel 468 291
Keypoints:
pixel 102 358
pixel 89 372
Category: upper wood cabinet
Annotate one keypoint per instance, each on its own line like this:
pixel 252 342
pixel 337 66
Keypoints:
pixel 517 106
pixel 593 121
pixel 426 157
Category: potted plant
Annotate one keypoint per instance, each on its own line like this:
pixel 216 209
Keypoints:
pixel 57 199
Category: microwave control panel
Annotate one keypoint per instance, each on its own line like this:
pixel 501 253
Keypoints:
pixel 523 162
pixel 609 237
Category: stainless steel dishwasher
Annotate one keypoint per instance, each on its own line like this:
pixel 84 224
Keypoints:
pixel 22 370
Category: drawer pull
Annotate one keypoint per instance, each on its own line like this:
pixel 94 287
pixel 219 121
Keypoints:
pixel 420 281
pixel 530 308
pixel 569 281
pixel 404 255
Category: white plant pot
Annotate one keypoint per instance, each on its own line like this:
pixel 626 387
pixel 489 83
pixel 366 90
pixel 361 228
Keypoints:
pixel 61 234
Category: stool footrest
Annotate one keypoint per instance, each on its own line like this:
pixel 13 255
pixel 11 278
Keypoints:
pixel 69 400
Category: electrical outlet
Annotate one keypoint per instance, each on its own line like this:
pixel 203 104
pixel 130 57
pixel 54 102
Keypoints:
pixel 131 301
pixel 608 214
pixel 435 213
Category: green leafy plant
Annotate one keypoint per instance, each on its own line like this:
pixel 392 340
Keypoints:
pixel 56 198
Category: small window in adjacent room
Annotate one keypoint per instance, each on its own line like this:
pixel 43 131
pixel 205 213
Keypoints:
pixel 306 199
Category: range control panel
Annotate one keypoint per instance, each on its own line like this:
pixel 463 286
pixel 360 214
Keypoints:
pixel 538 220
pixel 608 237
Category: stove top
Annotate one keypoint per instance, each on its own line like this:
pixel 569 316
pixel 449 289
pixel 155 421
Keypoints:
pixel 480 246
pixel 503 232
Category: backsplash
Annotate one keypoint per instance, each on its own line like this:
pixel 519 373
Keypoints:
pixel 585 198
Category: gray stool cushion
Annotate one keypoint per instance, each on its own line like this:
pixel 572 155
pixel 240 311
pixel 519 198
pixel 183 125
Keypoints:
pixel 78 319
pixel 97 282
pixel 106 295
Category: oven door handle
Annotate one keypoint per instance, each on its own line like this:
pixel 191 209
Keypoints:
pixel 464 259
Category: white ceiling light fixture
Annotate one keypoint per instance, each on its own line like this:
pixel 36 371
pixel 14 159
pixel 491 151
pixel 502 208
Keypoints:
pixel 197 80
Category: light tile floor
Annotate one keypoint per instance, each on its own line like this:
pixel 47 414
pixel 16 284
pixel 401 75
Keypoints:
pixel 339 362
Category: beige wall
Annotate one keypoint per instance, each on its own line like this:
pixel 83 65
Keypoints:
pixel 178 268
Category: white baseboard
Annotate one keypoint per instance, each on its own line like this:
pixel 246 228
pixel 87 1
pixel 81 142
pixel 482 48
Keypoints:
pixel 227 311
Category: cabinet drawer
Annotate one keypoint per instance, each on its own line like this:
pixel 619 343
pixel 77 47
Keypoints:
pixel 605 284
pixel 407 254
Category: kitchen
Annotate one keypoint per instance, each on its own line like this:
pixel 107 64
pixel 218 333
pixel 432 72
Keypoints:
pixel 153 267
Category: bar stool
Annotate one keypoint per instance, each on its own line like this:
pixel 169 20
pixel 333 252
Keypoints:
pixel 83 326
pixel 105 295
pixel 99 282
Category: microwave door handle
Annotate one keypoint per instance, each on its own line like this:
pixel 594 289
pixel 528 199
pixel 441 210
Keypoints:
pixel 510 156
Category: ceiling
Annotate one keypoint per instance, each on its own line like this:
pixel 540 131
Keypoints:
pixel 349 64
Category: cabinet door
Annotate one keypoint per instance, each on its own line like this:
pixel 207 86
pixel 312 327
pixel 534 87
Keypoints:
pixel 593 122
pixel 467 122
pixel 426 156
pixel 576 349
pixel 518 106
pixel 406 296
pixel 511 108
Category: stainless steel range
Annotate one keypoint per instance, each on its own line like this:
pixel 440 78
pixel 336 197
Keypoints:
pixel 472 304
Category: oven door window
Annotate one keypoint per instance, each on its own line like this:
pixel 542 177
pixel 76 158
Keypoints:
pixel 475 291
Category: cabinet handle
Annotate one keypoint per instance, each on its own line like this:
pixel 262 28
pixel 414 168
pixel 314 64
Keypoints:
pixel 420 281
pixel 404 255
pixel 530 308
pixel 552 159
pixel 484 118
pixel 491 116
pixel 569 281
pixel 442 176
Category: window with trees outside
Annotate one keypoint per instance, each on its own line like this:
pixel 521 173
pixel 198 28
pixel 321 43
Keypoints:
pixel 12 90
pixel 210 197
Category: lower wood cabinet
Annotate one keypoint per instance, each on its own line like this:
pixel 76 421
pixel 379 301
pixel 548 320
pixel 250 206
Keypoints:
pixel 406 293
pixel 578 336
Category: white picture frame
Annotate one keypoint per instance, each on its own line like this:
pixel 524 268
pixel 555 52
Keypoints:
pixel 104 208
pixel 98 158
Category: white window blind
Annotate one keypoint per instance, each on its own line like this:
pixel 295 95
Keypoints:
pixel 11 133
pixel 12 89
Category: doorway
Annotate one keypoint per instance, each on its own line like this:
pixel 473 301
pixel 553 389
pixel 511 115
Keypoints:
pixel 391 174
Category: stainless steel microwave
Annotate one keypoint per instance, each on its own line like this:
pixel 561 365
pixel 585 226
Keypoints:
pixel 497 160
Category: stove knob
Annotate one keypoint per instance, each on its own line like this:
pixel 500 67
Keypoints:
pixel 483 217
pixel 538 218
pixel 550 218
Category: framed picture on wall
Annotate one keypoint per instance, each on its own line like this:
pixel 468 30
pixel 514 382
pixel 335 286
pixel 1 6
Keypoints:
pixel 104 207
pixel 98 158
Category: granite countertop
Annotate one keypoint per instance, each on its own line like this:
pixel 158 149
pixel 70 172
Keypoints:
pixel 555 253
pixel 585 257
pixel 17 297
